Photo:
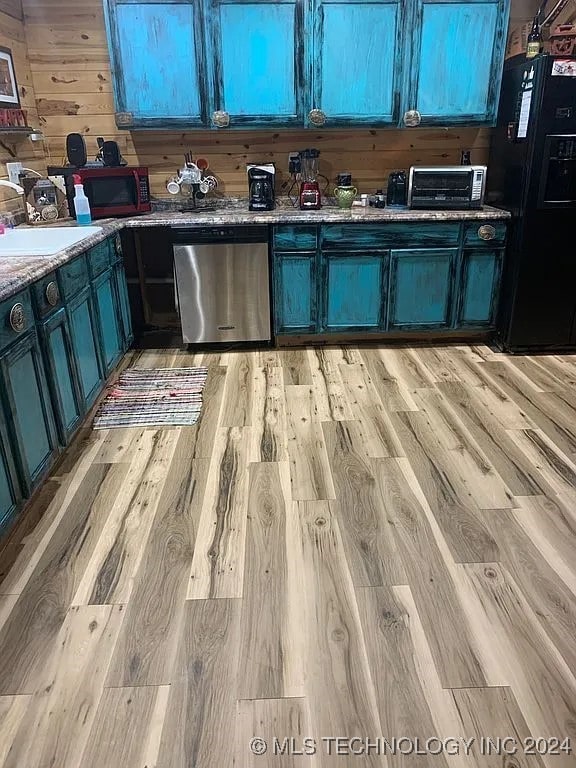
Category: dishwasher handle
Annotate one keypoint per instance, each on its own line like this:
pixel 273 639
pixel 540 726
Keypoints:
pixel 251 233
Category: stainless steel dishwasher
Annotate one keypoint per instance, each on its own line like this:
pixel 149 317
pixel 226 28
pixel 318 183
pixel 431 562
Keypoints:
pixel 222 283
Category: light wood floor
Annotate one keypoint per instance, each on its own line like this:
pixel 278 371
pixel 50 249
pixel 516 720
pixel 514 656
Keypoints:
pixel 353 542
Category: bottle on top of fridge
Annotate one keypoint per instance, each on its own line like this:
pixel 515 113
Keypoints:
pixel 81 204
pixel 534 42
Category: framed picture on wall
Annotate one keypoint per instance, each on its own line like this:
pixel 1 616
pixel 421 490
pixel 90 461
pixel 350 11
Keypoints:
pixel 9 98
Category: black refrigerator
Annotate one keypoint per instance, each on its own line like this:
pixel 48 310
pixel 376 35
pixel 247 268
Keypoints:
pixel 532 174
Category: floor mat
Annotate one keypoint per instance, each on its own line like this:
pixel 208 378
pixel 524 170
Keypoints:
pixel 153 397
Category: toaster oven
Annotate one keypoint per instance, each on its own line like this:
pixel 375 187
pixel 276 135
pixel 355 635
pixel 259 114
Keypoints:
pixel 449 187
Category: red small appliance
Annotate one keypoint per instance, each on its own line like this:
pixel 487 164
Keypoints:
pixel 111 191
pixel 310 198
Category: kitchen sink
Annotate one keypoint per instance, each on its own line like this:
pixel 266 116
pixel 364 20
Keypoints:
pixel 42 241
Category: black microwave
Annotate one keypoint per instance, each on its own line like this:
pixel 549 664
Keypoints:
pixel 449 187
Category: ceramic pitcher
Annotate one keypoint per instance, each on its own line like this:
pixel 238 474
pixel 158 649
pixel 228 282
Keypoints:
pixel 345 196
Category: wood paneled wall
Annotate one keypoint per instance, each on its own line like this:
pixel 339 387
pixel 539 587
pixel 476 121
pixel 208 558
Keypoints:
pixel 65 71
pixel 12 35
pixel 69 60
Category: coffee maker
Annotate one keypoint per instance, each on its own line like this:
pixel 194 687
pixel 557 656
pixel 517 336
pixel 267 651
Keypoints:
pixel 309 188
pixel 261 196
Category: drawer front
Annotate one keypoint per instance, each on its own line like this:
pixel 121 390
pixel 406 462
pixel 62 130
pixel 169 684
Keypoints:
pixel 488 233
pixel 412 234
pixel 16 318
pixel 295 238
pixel 99 258
pixel 46 295
pixel 73 277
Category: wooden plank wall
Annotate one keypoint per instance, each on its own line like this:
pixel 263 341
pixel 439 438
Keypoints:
pixel 70 65
pixel 12 35
pixel 68 58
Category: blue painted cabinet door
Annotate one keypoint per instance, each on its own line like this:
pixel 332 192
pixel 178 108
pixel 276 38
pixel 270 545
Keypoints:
pixel 421 282
pixel 458 52
pixel 10 495
pixel 124 306
pixel 108 320
pixel 354 291
pixel 62 374
pixel 357 61
pixel 479 287
pixel 31 424
pixel 84 333
pixel 257 50
pixel 158 62
pixel 295 293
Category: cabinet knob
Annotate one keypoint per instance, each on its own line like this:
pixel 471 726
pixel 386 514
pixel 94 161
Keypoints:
pixel 412 118
pixel 221 118
pixel 124 119
pixel 486 232
pixel 17 318
pixel 52 293
pixel 317 117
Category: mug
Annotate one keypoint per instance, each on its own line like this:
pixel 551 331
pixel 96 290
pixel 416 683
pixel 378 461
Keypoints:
pixel 345 196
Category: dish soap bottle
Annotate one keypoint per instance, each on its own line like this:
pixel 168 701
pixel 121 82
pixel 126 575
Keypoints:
pixel 81 204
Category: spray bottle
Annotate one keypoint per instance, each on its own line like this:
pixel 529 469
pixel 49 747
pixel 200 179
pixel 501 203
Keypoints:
pixel 81 204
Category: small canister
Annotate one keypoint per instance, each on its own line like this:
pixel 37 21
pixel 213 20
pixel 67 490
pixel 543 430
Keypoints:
pixel 379 199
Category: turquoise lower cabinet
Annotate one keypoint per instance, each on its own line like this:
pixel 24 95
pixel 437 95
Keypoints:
pixel 480 281
pixel 124 305
pixel 83 330
pixel 354 291
pixel 9 487
pixel 31 421
pixel 62 373
pixel 295 293
pixel 420 287
pixel 108 319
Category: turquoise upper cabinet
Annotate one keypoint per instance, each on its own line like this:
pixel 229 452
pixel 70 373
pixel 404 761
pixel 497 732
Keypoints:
pixel 357 62
pixel 457 56
pixel 257 54
pixel 308 63
pixel 158 61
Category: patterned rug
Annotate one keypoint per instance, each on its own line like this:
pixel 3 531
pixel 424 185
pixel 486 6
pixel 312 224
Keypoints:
pixel 153 397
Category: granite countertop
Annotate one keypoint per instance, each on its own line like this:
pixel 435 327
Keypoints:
pixel 236 212
pixel 18 272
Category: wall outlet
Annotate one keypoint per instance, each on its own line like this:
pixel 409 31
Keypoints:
pixel 13 170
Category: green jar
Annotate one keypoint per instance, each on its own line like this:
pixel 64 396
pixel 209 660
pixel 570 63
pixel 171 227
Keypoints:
pixel 345 196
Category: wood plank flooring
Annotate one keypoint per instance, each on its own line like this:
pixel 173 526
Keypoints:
pixel 354 543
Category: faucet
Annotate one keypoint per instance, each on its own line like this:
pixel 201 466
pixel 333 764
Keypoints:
pixel 21 193
pixel 13 186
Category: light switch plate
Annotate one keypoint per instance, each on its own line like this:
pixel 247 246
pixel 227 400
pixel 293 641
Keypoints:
pixel 13 169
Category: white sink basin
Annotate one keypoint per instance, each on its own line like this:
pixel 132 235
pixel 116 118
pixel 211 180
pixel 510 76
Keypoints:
pixel 42 241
